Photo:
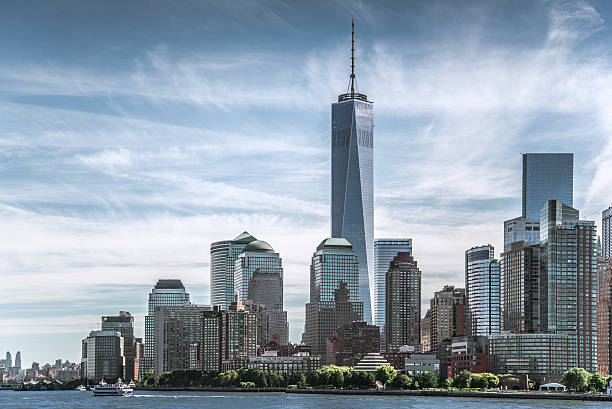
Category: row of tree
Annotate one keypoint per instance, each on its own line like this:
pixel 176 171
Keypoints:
pixel 341 377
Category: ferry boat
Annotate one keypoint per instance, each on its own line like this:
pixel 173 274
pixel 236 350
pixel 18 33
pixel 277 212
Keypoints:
pixel 80 388
pixel 116 389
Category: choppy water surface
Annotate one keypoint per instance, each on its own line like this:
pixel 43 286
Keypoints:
pixel 140 399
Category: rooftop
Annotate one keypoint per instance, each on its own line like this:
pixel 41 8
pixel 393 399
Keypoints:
pixel 259 246
pixel 244 237
pixel 169 284
pixel 335 242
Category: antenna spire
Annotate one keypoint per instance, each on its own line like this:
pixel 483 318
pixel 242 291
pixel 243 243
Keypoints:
pixel 353 58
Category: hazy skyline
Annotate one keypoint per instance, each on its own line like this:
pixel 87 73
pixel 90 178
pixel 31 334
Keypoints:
pixel 135 134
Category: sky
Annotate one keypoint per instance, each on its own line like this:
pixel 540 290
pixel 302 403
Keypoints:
pixel 134 134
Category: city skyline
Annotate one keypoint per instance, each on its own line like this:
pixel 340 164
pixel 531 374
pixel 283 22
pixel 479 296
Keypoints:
pixel 124 161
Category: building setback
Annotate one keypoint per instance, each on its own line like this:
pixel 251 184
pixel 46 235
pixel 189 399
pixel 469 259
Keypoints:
pixel 265 288
pixel 257 255
pixel 482 291
pixel 403 304
pixel 223 255
pixel 384 251
pixel 352 181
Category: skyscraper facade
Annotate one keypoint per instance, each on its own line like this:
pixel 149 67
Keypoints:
pixel 124 323
pixel 18 360
pixel 352 181
pixel 384 251
pixel 447 317
pixel 334 292
pixel 257 255
pixel 9 360
pixel 521 229
pixel 568 277
pixel 482 290
pixel 223 255
pixel 520 288
pixel 403 304
pixel 238 333
pixel 266 289
pixel 103 355
pixel 606 233
pixel 165 293
pixel 546 176
pixel 604 321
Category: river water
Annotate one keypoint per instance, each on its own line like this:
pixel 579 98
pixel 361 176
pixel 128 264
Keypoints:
pixel 141 399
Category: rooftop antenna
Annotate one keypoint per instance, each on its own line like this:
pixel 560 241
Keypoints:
pixel 353 58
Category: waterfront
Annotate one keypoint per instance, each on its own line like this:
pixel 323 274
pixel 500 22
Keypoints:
pixel 188 400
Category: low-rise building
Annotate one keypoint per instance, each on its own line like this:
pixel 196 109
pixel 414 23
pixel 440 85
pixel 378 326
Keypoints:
pixel 420 363
pixel 103 356
pixel 468 353
pixel 285 365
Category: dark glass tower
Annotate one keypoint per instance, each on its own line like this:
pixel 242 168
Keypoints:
pixel 352 208
pixel 546 176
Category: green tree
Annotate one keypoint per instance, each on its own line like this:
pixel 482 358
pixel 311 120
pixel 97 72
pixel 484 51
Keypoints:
pixel 446 383
pixel 576 379
pixel 297 379
pixel 479 381
pixel 493 380
pixel 385 374
pixel 427 380
pixel 401 381
pixel 597 383
pixel 462 380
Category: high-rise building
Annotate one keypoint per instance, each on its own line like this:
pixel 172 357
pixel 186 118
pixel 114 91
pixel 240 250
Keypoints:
pixel 124 323
pixel 165 293
pixel 604 321
pixel 178 334
pixel 334 292
pixel 482 291
pixel 606 233
pixel 384 251
pixel 103 355
pixel 520 288
pixel 568 279
pixel 266 289
pixel 257 255
pixel 447 317
pixel 546 176
pixel 352 180
pixel 9 360
pixel 426 332
pixel 521 229
pixel 403 304
pixel 238 333
pixel 18 360
pixel 223 255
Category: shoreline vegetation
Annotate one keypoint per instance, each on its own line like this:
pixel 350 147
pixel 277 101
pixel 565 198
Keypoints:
pixel 331 379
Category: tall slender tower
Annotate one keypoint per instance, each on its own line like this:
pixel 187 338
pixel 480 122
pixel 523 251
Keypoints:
pixel 352 208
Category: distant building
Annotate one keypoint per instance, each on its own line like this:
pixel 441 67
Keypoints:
pixel 258 255
pixel 482 291
pixel 124 323
pixel 285 365
pixel 520 295
pixel 370 363
pixel 384 251
pixel 351 342
pixel 446 317
pixel 403 303
pixel 223 255
pixel 165 293
pixel 426 332
pixel 266 288
pixel 540 356
pixel 604 321
pixel 546 176
pixel 102 355
pixel 334 295
pixel 417 364
pixel 178 333
pixel 9 360
pixel 209 352
pixel 18 360
pixel 606 233
pixel 468 353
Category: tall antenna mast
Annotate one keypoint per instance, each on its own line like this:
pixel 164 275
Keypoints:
pixel 353 58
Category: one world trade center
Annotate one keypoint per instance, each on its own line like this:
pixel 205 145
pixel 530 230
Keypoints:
pixel 352 205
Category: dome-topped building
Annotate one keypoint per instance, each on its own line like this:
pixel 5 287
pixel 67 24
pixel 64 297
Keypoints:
pixel 259 246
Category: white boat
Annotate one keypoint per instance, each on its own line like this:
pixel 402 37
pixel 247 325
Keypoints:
pixel 80 388
pixel 115 389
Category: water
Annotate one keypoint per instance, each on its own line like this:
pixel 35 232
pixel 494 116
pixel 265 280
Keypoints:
pixel 140 399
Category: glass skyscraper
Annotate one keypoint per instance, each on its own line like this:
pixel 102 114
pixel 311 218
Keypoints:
pixel 482 291
pixel 165 293
pixel 606 233
pixel 352 190
pixel 257 255
pixel 546 176
pixel 384 252
pixel 223 255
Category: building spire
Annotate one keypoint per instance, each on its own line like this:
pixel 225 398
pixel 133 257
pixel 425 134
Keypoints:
pixel 352 58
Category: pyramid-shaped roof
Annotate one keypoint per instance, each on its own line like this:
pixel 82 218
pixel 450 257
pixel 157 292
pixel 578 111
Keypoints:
pixel 244 237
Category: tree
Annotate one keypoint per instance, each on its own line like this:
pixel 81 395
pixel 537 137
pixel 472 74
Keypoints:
pixel 492 379
pixel 427 380
pixel 385 374
pixel 447 383
pixel 297 379
pixel 462 379
pixel 401 381
pixel 576 379
pixel 478 381
pixel 597 383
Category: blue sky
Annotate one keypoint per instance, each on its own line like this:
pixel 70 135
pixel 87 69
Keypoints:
pixel 133 134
